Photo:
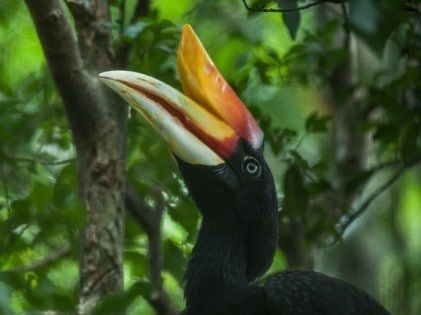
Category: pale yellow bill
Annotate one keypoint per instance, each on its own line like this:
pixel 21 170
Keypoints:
pixel 194 134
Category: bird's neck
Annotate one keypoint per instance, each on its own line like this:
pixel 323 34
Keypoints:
pixel 217 279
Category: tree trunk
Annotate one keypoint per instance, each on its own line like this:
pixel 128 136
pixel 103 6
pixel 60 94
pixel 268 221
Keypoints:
pixel 97 120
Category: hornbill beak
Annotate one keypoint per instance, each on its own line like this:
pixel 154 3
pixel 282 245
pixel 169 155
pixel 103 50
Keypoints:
pixel 203 126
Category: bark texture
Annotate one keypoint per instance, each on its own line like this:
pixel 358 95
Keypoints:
pixel 97 120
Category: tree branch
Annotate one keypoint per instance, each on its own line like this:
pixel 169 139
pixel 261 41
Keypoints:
pixel 139 209
pixel 97 120
pixel 65 63
pixel 381 189
pixel 303 7
pixel 92 25
pixel 151 219
pixel 407 6
pixel 47 260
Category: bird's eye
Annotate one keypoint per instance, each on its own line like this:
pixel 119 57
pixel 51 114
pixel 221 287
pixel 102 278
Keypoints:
pixel 251 166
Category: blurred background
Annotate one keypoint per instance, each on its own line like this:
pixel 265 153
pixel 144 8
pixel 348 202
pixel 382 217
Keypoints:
pixel 336 89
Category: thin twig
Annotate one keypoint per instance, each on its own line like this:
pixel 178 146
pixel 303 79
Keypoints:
pixel 150 218
pixel 397 162
pixel 47 260
pixel 303 7
pixel 382 188
pixel 300 141
pixel 407 6
pixel 139 209
pixel 13 238
pixel 384 165
pixel 36 161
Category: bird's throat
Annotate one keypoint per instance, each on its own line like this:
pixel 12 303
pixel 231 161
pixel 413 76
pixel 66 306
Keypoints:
pixel 216 277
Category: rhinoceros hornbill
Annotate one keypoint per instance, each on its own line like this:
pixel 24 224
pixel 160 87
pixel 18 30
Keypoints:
pixel 218 147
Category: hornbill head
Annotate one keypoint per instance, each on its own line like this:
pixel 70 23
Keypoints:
pixel 216 142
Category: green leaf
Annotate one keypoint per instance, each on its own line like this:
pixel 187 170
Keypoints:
pixel 291 19
pixel 410 144
pixel 296 196
pixel 184 213
pixel 298 160
pixel 133 30
pixel 118 303
pixel 318 187
pixel 174 260
pixel 374 20
pixel 5 298
pixel 138 262
pixel 40 292
pixel 22 212
pixel 41 195
pixel 316 123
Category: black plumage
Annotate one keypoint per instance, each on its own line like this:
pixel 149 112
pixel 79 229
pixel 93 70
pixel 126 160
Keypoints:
pixel 236 244
pixel 312 293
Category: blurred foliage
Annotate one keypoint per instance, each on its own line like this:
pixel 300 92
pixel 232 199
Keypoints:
pixel 282 66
